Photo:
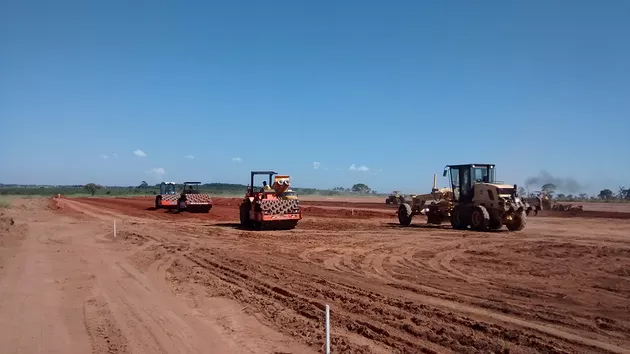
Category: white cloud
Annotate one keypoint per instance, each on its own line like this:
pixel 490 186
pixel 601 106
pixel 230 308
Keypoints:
pixel 361 168
pixel 140 153
pixel 189 157
pixel 237 159
pixel 316 165
pixel 104 157
pixel 157 172
pixel 115 155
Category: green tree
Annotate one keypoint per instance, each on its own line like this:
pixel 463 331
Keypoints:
pixel 621 193
pixel 605 194
pixel 549 189
pixel 144 184
pixel 561 197
pixel 583 196
pixel 361 188
pixel 92 187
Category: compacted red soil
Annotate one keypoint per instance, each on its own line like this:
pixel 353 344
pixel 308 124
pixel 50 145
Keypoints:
pixel 561 285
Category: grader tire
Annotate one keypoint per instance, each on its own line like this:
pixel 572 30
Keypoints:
pixel 404 214
pixel 458 219
pixel 518 222
pixel 480 219
pixel 496 223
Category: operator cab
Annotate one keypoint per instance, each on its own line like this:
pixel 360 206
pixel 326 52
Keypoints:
pixel 463 178
pixel 191 187
pixel 252 190
pixel 167 188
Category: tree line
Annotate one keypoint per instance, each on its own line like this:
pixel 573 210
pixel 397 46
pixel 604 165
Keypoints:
pixel 145 188
pixel 622 194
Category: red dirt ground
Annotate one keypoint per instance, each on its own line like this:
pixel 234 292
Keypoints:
pixel 562 285
pixel 226 209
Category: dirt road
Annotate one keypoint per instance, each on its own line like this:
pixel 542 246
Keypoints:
pixel 69 287
pixel 188 282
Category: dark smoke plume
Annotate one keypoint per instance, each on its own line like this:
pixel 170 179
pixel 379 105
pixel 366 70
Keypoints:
pixel 568 185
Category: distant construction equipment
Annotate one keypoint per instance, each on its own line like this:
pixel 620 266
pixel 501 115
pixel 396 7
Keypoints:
pixel 475 199
pixel 190 199
pixel 538 202
pixel 395 198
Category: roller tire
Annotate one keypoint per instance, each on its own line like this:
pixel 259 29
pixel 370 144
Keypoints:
pixel 244 215
pixel 179 204
pixel 405 214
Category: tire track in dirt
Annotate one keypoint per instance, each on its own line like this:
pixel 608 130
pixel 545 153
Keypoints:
pixel 105 335
pixel 297 308
pixel 441 263
pixel 373 264
pixel 381 333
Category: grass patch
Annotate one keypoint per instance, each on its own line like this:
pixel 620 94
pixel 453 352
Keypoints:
pixel 5 202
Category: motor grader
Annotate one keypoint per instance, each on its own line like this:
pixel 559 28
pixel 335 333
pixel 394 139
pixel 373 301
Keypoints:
pixel 190 199
pixel 270 208
pixel 395 198
pixel 474 199
pixel 539 201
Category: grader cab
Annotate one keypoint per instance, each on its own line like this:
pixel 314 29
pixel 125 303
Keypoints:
pixel 273 207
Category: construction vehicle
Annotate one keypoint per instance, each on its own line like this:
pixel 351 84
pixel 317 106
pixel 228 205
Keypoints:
pixel 395 198
pixel 473 199
pixel 190 199
pixel 538 201
pixel 288 195
pixel 269 208
pixel 567 207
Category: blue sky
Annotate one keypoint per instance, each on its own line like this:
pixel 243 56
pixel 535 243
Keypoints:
pixel 397 89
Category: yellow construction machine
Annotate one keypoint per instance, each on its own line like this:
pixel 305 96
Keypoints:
pixel 474 199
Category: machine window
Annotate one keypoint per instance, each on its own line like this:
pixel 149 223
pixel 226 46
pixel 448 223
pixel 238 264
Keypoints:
pixel 480 175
